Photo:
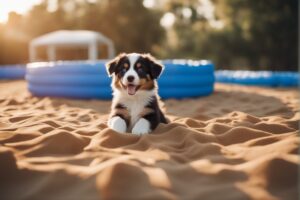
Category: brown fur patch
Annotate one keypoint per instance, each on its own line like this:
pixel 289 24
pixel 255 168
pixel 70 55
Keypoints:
pixel 146 84
pixel 117 83
pixel 146 111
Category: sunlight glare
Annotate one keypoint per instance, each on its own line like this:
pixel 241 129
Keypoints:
pixel 167 20
pixel 52 5
pixel 149 3
pixel 187 12
pixel 206 9
pixel 21 7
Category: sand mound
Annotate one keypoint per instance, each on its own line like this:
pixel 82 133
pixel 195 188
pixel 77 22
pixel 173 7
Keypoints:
pixel 239 143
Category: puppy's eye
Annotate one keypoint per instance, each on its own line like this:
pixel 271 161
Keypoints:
pixel 123 71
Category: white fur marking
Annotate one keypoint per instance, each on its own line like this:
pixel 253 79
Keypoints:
pixel 141 127
pixel 118 124
pixel 131 72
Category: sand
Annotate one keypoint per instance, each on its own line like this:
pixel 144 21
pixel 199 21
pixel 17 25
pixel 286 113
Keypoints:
pixel 239 143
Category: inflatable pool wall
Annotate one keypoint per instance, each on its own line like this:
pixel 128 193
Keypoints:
pixel 86 80
pixel 12 71
pixel 258 78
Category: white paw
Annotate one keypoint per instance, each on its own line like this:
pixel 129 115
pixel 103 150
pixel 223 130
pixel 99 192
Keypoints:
pixel 141 127
pixel 117 124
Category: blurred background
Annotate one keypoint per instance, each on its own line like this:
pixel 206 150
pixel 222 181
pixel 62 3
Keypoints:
pixel 234 34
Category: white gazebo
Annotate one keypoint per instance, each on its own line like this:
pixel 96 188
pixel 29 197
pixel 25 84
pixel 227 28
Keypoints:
pixel 66 38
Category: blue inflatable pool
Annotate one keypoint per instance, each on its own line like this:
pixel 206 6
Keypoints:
pixel 258 78
pixel 85 80
pixel 12 71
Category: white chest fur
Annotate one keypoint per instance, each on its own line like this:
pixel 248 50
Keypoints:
pixel 134 103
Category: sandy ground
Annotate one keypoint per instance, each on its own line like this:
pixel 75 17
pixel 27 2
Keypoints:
pixel 239 143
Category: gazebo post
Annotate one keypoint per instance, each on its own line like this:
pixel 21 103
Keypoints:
pixel 32 53
pixel 93 51
pixel 51 53
pixel 111 50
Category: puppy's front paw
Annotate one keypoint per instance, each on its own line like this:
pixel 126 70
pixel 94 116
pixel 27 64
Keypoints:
pixel 140 131
pixel 141 127
pixel 117 124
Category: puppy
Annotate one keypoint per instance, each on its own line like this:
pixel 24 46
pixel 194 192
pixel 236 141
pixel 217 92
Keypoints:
pixel 135 106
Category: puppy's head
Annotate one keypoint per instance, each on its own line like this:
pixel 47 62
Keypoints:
pixel 133 72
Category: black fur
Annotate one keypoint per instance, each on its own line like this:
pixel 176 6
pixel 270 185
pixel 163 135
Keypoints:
pixel 120 106
pixel 155 117
pixel 155 67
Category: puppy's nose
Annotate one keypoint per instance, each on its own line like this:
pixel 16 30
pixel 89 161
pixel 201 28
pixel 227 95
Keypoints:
pixel 130 78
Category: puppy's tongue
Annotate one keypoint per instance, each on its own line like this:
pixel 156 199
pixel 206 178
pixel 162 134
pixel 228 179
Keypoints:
pixel 131 89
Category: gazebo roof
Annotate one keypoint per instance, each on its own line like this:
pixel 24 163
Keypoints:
pixel 67 37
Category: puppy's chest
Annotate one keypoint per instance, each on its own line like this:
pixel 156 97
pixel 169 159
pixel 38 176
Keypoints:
pixel 135 109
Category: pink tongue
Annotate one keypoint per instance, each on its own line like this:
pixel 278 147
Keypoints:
pixel 131 89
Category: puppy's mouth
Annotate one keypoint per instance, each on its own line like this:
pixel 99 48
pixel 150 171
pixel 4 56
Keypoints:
pixel 132 89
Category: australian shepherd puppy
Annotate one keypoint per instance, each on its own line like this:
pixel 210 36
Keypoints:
pixel 135 106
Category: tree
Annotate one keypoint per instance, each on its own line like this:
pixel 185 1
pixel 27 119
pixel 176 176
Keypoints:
pixel 256 34
pixel 131 26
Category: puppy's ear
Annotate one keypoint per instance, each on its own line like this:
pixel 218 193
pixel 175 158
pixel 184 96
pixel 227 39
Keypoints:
pixel 156 70
pixel 155 67
pixel 112 65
